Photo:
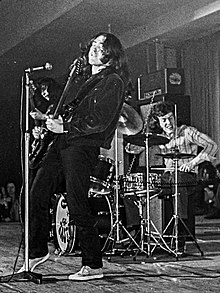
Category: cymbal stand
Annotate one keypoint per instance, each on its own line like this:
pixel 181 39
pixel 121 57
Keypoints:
pixel 175 216
pixel 115 235
pixel 147 226
pixel 139 201
pixel 177 219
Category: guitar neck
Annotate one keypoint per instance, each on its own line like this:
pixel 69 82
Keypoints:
pixel 62 99
pixel 75 70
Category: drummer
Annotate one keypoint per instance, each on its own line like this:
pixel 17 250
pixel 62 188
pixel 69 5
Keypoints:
pixel 183 140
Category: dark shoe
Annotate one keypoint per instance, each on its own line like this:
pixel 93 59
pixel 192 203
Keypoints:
pixel 86 273
pixel 213 215
pixel 34 262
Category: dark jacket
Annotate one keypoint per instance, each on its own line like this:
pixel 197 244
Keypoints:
pixel 94 120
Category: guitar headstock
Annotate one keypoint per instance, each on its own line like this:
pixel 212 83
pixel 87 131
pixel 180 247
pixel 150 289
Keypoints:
pixel 77 66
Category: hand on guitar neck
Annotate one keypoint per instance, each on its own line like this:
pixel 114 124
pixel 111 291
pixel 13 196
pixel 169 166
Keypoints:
pixel 38 115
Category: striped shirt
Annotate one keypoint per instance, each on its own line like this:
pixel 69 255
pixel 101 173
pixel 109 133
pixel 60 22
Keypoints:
pixel 187 140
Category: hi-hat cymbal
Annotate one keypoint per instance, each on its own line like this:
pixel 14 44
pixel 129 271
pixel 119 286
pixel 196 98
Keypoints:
pixel 153 139
pixel 130 121
pixel 175 155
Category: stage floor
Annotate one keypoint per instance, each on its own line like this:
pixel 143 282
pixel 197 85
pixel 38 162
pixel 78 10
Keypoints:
pixel 160 272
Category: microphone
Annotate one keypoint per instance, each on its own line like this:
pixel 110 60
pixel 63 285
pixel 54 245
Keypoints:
pixel 47 66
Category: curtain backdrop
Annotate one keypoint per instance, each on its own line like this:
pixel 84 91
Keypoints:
pixel 201 62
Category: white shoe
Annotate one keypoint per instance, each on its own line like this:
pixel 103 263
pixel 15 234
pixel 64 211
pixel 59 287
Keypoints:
pixel 86 273
pixel 34 262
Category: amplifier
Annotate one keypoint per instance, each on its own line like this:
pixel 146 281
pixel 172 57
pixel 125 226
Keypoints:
pixel 161 213
pixel 183 106
pixel 166 81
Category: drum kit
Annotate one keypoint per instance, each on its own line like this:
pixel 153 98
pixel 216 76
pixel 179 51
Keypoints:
pixel 106 194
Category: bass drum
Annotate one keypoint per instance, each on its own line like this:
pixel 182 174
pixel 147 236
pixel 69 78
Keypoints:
pixel 101 206
pixel 64 233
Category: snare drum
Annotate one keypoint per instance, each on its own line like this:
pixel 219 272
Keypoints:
pixel 154 182
pixel 135 182
pixel 132 182
pixel 103 175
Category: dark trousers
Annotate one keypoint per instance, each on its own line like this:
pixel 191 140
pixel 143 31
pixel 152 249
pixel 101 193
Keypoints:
pixel 74 164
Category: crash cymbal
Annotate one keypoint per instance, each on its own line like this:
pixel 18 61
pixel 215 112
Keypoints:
pixel 153 139
pixel 130 122
pixel 175 155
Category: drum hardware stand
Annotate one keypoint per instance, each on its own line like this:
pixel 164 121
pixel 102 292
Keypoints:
pixel 177 219
pixel 147 223
pixel 140 195
pixel 114 234
pixel 26 275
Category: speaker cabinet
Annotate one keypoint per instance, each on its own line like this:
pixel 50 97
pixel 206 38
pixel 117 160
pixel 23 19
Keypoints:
pixel 182 102
pixel 157 213
pixel 161 212
pixel 165 81
pixel 183 107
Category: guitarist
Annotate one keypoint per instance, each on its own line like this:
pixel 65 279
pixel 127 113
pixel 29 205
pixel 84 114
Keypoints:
pixel 75 152
pixel 46 96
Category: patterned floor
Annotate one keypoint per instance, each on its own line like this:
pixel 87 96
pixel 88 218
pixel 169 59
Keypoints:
pixel 160 272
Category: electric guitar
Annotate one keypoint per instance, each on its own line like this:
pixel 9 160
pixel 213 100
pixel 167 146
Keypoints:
pixel 46 137
pixel 40 144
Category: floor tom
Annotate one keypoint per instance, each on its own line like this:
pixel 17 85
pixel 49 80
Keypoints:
pixel 102 178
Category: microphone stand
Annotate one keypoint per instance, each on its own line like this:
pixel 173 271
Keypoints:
pixel 75 69
pixel 25 275
pixel 28 275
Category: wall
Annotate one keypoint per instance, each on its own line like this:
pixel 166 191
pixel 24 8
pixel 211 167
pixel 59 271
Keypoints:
pixel 144 59
pixel 12 100
pixel 201 58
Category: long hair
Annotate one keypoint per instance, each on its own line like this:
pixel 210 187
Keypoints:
pixel 157 110
pixel 52 84
pixel 54 90
pixel 114 52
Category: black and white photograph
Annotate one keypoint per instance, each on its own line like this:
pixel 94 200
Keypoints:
pixel 110 146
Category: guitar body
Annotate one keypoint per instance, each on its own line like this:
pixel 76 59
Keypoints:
pixel 39 149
